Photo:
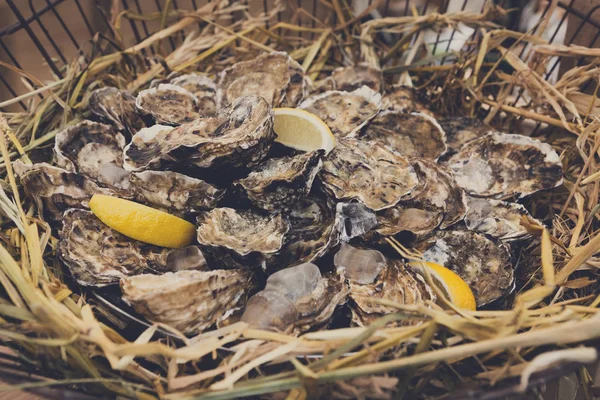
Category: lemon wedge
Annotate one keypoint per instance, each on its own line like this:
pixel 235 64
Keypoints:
pixel 302 130
pixel 142 223
pixel 457 290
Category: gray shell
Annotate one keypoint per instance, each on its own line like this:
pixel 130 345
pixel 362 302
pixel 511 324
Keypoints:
pixel 461 130
pixel 354 77
pixel 203 88
pixel 168 104
pixel 116 107
pixel 499 219
pixel 405 99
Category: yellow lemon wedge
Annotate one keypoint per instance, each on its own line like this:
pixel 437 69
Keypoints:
pixel 142 223
pixel 457 290
pixel 302 130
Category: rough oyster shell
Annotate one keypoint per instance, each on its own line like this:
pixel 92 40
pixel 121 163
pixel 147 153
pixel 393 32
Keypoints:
pixel 482 263
pixel 296 299
pixel 278 183
pixel 351 78
pixel 98 256
pixel 174 192
pixel 168 104
pixel 186 258
pixel 240 238
pixel 353 220
pixel 189 301
pixel 461 130
pixel 368 172
pixel 203 88
pixel 502 165
pixel 412 135
pixel 345 113
pixel 405 99
pixel 116 107
pixel 437 201
pixel 92 149
pixel 239 136
pixel 499 219
pixel 274 76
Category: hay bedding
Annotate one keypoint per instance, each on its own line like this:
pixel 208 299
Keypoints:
pixel 549 320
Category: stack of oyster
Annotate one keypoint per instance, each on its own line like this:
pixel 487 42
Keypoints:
pixel 286 238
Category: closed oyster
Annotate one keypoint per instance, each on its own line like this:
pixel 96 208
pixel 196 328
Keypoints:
pixel 372 276
pixel 275 76
pixel 189 301
pixel 437 201
pixel 116 107
pixel 351 78
pixel 203 88
pixel 295 300
pixel 412 135
pixel 174 192
pixel 502 165
pixel 98 256
pixel 405 99
pixel 367 171
pixel 499 219
pixel 278 183
pixel 240 238
pixel 461 130
pixel 482 263
pixel 345 113
pixel 168 104
pixel 239 136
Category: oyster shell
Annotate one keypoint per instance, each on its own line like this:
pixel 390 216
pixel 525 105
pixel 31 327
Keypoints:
pixel 482 263
pixel 203 88
pixel 239 136
pixel 274 76
pixel 345 113
pixel 186 258
pixel 116 107
pixel 405 99
pixel 98 256
pixel 367 171
pixel 351 78
pixel 353 220
pixel 240 238
pixel 295 300
pixel 461 130
pixel 278 183
pixel 174 192
pixel 189 301
pixel 502 165
pixel 412 135
pixel 168 104
pixel 437 201
pixel 499 219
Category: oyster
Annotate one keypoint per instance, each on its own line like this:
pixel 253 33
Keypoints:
pixel 116 107
pixel 461 130
pixel 240 238
pixel 278 183
pixel 274 76
pixel 186 258
pixel 189 301
pixel 345 113
pixel 353 220
pixel 437 201
pixel 168 104
pixel 98 256
pixel 239 136
pixel 203 88
pixel 296 299
pixel 351 78
pixel 174 192
pixel 368 172
pixel 405 99
pixel 502 165
pixel 92 149
pixel 371 275
pixel 498 219
pixel 482 263
pixel 412 135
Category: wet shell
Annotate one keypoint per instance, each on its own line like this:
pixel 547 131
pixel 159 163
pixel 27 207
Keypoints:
pixel 116 107
pixel 351 78
pixel 98 256
pixel 344 112
pixel 461 130
pixel 189 301
pixel 367 171
pixel 502 165
pixel 405 99
pixel 499 219
pixel 240 238
pixel 168 104
pixel 482 263
pixel 239 136
pixel 274 76
pixel 174 192
pixel 278 183
pixel 203 88
pixel 412 135
pixel 92 149
pixel 295 300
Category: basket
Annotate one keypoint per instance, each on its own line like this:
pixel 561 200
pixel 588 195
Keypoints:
pixel 49 48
